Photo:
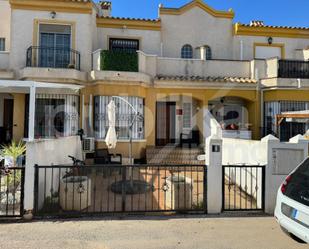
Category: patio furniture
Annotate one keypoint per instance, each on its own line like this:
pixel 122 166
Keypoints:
pixel 101 156
pixel 192 138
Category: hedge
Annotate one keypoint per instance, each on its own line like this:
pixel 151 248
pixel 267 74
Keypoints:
pixel 119 61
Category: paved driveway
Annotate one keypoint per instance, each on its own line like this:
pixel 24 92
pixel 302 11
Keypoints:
pixel 150 232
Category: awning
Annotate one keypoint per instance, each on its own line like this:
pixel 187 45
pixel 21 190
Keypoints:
pixel 19 86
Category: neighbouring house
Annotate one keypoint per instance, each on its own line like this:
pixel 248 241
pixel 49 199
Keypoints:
pixel 61 61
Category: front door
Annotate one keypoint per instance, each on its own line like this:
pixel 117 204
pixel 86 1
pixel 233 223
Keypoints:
pixel 8 120
pixel 165 123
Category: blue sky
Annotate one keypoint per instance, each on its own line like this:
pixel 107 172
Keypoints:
pixel 272 12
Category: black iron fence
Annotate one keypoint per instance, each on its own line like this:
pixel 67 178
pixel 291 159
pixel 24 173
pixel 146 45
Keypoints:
pixel 293 69
pixel 53 57
pixel 11 192
pixel 243 188
pixel 110 189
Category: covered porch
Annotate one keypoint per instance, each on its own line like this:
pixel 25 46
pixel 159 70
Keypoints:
pixel 37 110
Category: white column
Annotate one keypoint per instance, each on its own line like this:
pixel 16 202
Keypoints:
pixel 214 174
pixel 31 113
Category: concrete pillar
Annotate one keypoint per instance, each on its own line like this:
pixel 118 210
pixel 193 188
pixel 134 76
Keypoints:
pixel 29 178
pixel 269 142
pixel 31 113
pixel 214 174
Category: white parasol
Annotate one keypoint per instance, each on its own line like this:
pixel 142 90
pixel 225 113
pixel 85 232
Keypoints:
pixel 111 137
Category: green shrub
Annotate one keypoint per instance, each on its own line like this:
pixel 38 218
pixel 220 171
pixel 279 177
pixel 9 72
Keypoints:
pixel 119 61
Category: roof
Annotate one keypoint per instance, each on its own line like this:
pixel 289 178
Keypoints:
pixel 259 29
pixel 207 79
pixel 129 19
pixel 129 23
pixel 71 6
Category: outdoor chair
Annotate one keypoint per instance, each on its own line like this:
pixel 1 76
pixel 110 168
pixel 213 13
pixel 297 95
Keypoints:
pixel 191 138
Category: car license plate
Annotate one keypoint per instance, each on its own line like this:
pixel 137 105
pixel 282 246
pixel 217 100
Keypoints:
pixel 300 216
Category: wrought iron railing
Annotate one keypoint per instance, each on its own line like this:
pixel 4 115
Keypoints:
pixel 109 189
pixel 293 69
pixel 11 192
pixel 53 57
pixel 243 187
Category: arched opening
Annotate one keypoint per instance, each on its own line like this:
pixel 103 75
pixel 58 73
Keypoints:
pixel 233 116
pixel 187 52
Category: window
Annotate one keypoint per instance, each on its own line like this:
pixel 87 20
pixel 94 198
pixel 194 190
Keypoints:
pixel 124 116
pixel 187 52
pixel 2 44
pixel 55 115
pixel 298 187
pixel 55 45
pixel 187 114
pixel 208 53
pixel 124 45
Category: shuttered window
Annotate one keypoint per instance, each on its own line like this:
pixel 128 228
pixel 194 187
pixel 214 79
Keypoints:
pixel 124 117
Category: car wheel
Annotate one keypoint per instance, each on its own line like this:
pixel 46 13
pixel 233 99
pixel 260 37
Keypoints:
pixel 292 236
pixel 297 239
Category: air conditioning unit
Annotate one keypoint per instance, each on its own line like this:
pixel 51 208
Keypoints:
pixel 89 144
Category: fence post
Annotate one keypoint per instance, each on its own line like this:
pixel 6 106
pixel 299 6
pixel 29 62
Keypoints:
pixel 214 174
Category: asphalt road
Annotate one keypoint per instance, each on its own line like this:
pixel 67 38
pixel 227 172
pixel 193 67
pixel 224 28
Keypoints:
pixel 150 232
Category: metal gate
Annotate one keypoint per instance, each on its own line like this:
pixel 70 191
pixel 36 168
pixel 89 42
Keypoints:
pixel 109 189
pixel 243 188
pixel 11 192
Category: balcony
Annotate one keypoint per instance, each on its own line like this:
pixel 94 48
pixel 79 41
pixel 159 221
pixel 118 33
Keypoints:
pixel 285 73
pixel 54 64
pixel 106 60
pixel 53 57
pixel 293 69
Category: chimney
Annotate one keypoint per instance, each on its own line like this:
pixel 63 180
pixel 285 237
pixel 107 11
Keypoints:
pixel 256 23
pixel 106 8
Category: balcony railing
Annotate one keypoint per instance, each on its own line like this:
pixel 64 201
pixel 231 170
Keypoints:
pixel 53 57
pixel 293 69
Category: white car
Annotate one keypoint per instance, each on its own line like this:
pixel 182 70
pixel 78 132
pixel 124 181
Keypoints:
pixel 292 208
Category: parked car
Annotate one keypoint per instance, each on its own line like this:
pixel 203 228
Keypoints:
pixel 292 208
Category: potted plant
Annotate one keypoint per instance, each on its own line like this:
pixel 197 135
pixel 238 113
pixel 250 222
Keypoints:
pixel 12 152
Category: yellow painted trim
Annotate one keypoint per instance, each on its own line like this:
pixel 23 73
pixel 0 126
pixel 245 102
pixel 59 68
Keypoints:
pixel 198 3
pixel 53 5
pixel 129 24
pixel 240 29
pixel 35 36
pixel 276 45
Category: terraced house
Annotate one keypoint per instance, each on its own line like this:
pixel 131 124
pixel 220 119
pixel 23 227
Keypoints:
pixel 62 60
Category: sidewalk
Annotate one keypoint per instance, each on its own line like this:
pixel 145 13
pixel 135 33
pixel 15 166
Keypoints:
pixel 149 232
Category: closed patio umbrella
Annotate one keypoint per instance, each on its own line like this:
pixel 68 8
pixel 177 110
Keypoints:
pixel 111 137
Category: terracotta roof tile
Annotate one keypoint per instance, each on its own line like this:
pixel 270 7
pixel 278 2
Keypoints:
pixel 207 79
pixel 130 19
pixel 261 24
